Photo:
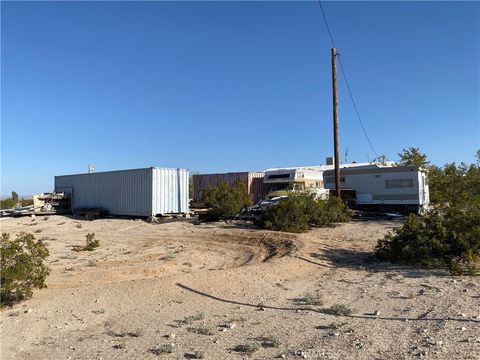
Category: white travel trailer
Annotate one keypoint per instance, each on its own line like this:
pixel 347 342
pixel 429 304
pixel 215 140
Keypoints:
pixel 379 187
pixel 299 179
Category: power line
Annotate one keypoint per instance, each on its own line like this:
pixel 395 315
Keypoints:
pixel 326 23
pixel 345 78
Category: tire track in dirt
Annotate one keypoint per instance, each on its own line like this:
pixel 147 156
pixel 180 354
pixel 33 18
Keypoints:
pixel 157 256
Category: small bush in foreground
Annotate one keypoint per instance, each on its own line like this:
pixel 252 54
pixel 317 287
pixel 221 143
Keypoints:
pixel 312 299
pixel 270 342
pixel 162 349
pixel 298 212
pixel 447 237
pixel 22 267
pixel 192 318
pixel 248 349
pixel 91 242
pixel 340 310
pixel 203 330
pixel 198 354
pixel 225 201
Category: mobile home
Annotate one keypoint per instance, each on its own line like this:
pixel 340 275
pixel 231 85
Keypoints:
pixel 403 188
pixel 301 179
pixel 138 192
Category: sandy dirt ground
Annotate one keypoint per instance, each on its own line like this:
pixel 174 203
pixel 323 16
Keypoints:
pixel 179 291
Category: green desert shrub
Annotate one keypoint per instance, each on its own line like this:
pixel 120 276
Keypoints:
pixel 448 236
pixel 22 267
pixel 91 242
pixel 225 201
pixel 26 202
pixel 339 309
pixel 297 213
pixel 453 184
pixel 327 212
pixel 288 215
pixel 8 203
pixel 248 349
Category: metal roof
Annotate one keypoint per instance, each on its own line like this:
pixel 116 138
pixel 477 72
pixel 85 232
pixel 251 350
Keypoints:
pixel 330 167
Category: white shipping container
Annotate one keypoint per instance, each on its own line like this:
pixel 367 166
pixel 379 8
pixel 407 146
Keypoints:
pixel 138 192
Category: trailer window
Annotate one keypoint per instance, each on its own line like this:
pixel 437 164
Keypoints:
pixel 279 176
pixel 398 183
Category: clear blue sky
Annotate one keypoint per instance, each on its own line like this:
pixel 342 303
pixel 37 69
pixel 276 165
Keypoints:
pixel 230 86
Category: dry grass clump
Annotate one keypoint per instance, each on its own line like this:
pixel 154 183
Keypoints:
pixel 340 310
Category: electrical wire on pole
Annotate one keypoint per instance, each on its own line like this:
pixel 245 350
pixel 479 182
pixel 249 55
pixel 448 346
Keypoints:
pixel 346 80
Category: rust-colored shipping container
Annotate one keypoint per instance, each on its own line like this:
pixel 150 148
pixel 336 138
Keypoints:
pixel 253 180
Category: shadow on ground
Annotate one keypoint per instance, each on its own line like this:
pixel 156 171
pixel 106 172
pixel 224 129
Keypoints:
pixel 331 257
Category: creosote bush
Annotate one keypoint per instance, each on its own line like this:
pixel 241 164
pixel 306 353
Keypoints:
pixel 225 201
pixel 198 354
pixel 162 349
pixel 8 203
pixel 91 242
pixel 248 349
pixel 22 267
pixel 447 237
pixel 340 310
pixel 297 213
pixel 192 318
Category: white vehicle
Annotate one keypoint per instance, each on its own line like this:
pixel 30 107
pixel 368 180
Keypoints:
pixel 282 181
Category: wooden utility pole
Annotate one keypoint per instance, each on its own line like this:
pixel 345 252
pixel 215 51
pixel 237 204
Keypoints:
pixel 335 121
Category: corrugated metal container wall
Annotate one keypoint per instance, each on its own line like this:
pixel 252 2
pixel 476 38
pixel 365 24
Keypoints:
pixel 137 192
pixel 170 191
pixel 253 180
pixel 256 186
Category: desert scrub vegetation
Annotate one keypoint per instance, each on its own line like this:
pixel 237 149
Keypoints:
pixel 22 267
pixel 90 243
pixel 270 342
pixel 198 354
pixel 192 318
pixel 248 349
pixel 203 330
pixel 447 236
pixel 226 201
pixel 8 203
pixel 339 309
pixel 297 213
pixel 311 299
pixel 162 349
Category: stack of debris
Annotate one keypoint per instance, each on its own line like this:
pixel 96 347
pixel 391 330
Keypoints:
pixel 45 204
pixel 56 202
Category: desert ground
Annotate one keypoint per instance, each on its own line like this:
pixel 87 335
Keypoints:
pixel 180 290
